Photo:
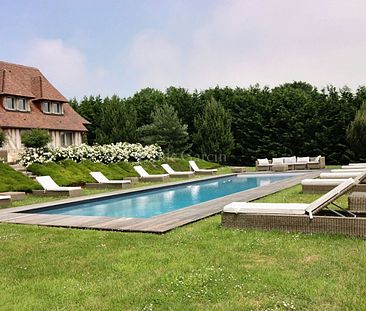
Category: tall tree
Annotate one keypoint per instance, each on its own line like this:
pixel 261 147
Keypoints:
pixel 213 136
pixel 166 130
pixel 117 122
pixel 356 132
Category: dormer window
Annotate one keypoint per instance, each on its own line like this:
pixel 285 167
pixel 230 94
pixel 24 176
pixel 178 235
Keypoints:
pixel 16 104
pixel 52 107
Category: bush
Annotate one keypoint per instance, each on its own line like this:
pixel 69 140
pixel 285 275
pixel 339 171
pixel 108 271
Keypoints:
pixel 35 138
pixel 112 153
pixel 356 132
pixel 2 138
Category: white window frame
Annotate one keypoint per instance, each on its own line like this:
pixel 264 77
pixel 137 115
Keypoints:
pixel 25 102
pixel 52 107
pixel 63 139
pixel 14 103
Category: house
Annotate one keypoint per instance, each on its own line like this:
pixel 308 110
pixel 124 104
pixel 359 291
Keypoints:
pixel 28 100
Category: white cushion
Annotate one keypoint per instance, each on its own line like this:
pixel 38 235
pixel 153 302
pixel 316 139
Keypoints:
pixel 263 162
pixel 277 161
pixel 289 160
pixel 322 182
pixel 303 159
pixel 340 175
pixel 266 208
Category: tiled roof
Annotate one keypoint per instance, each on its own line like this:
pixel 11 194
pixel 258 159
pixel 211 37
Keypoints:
pixel 28 82
pixel 19 80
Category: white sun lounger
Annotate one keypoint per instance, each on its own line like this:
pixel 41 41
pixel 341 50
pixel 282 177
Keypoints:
pixel 198 170
pixel 145 176
pixel 51 188
pixel 5 199
pixel 316 217
pixel 290 208
pixel 352 167
pixel 178 174
pixel 357 164
pixel 339 175
pixel 350 170
pixel 104 182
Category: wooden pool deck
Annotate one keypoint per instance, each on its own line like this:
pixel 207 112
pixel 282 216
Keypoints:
pixel 157 224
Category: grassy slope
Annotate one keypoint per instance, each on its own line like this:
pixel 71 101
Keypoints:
pixel 11 180
pixel 71 173
pixel 200 266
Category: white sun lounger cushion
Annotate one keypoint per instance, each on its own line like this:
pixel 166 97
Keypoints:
pixel 100 178
pixel 289 160
pixel 263 162
pixel 303 160
pixel 141 171
pixel 170 171
pixel 197 169
pixel 49 184
pixel 277 161
pixel 322 182
pixel 350 170
pixel 357 164
pixel 266 208
pixel 5 197
pixel 339 175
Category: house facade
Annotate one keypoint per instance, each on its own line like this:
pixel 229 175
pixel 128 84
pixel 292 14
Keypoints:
pixel 28 100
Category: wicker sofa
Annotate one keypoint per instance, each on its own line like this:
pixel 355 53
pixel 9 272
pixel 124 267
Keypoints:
pixel 291 163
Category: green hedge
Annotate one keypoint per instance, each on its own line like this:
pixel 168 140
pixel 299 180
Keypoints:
pixel 67 172
pixel 11 180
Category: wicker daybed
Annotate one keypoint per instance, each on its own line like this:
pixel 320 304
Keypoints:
pixel 316 217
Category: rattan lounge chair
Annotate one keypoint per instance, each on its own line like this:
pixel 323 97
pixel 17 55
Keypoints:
pixel 5 199
pixel 198 170
pixel 51 188
pixel 173 173
pixel 316 217
pixel 145 176
pixel 324 185
pixel 104 182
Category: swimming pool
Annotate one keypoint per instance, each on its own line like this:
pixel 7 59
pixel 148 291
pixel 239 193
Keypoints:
pixel 153 202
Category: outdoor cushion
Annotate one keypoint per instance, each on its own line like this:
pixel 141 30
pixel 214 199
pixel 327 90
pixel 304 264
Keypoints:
pixel 197 169
pixel 290 160
pixel 303 159
pixel 170 171
pixel 263 162
pixel 266 208
pixel 322 182
pixel 49 184
pixel 338 170
pixel 340 175
pixel 100 178
pixel 356 164
pixel 141 171
pixel 277 161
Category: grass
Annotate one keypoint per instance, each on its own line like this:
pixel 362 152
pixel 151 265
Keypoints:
pixel 197 267
pixel 11 180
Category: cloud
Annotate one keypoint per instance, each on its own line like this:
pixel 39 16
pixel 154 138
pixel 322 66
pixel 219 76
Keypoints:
pixel 268 42
pixel 64 66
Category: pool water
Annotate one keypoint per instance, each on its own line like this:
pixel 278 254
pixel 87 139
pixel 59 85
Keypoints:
pixel 149 203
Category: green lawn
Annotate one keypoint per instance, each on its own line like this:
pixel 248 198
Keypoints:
pixel 197 267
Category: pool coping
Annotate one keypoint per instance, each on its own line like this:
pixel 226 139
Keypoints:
pixel 157 224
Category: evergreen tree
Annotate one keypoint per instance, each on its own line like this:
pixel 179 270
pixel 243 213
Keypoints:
pixel 213 136
pixel 166 130
pixel 356 132
pixel 117 122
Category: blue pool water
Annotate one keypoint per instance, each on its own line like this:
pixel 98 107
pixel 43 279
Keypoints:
pixel 149 203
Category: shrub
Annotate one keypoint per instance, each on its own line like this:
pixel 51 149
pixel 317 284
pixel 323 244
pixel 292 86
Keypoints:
pixel 35 138
pixel 356 132
pixel 11 180
pixel 112 153
pixel 2 138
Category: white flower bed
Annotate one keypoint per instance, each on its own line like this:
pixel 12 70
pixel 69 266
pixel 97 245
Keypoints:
pixel 101 154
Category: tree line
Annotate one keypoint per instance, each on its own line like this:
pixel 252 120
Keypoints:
pixel 231 125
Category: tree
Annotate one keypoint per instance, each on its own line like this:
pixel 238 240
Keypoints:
pixel 117 122
pixel 35 138
pixel 356 132
pixel 213 136
pixel 166 130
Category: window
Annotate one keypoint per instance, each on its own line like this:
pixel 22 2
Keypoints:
pixel 66 139
pixel 10 103
pixel 22 104
pixel 52 108
pixel 18 104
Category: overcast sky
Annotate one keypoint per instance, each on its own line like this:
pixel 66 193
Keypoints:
pixel 110 47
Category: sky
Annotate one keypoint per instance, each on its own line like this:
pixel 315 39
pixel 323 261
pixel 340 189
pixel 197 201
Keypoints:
pixel 91 47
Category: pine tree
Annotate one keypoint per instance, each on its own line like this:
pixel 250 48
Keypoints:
pixel 166 130
pixel 213 137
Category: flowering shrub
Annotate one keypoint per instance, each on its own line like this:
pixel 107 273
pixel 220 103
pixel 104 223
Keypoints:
pixel 100 154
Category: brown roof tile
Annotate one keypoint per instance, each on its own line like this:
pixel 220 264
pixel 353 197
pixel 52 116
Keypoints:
pixel 19 80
